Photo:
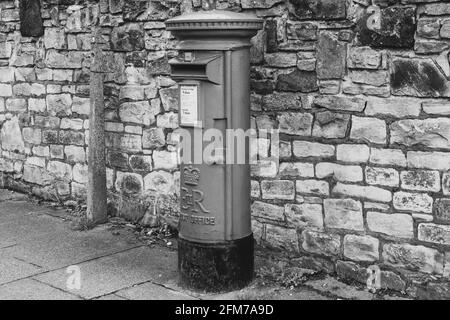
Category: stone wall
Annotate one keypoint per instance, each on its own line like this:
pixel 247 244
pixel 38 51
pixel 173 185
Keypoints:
pixel 358 89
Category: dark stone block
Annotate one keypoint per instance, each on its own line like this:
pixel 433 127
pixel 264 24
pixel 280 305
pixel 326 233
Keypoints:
pixel 71 137
pixel 137 59
pixel 331 56
pixel 398 26
pixel 133 8
pixel 420 78
pixel 30 18
pixel 271 36
pixel 303 81
pixel 442 210
pixel 118 160
pixel 261 86
pixel 140 164
pixel 127 39
pixel 50 136
pixel 158 66
pixel 318 9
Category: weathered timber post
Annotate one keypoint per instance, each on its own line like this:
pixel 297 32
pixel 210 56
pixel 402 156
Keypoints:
pixel 97 195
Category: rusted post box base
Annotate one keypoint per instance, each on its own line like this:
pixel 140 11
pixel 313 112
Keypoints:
pixel 216 267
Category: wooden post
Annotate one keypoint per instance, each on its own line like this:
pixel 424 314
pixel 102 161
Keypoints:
pixel 97 194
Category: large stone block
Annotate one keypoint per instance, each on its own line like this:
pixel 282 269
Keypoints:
pixel 321 243
pixel 429 160
pixel 59 104
pixel 418 258
pixel 305 149
pixel 396 225
pixel 36 175
pixel 433 133
pixel 365 192
pixel 165 160
pixel 139 112
pixel 339 103
pixel 153 138
pixel 32 135
pixel 281 59
pixel 369 77
pixel 60 170
pixel 11 136
pixel 330 125
pixel 343 214
pixel 54 38
pixel 331 57
pixel 434 233
pixel 313 187
pixel 161 182
pixel 298 80
pixel 393 107
pixel 295 123
pixel 421 180
pixel 446 183
pixel 364 58
pixel 296 169
pixel 278 189
pixel 281 101
pixel 282 238
pixel 368 129
pixel 396 29
pixel 267 211
pixel 318 9
pixel 382 176
pixel 442 210
pixel 75 154
pixel 416 202
pixel 31 24
pixel 353 153
pixel 16 105
pixel 304 216
pixel 170 99
pixel 126 142
pixel 339 172
pixel 419 78
pixel 301 30
pixel 129 37
pixel 129 183
pixel 361 248
pixel 389 157
pixel 68 60
pixel 80 173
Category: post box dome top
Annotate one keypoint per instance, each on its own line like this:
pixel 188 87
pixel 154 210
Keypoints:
pixel 214 19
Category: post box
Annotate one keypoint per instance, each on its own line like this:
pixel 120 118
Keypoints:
pixel 215 250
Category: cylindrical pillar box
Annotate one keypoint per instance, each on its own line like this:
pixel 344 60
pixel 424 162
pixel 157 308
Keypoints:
pixel 213 71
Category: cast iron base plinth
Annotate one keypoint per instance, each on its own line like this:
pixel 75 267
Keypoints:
pixel 217 267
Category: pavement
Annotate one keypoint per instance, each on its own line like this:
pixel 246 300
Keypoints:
pixel 43 258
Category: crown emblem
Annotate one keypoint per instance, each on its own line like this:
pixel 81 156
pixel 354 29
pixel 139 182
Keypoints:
pixel 191 176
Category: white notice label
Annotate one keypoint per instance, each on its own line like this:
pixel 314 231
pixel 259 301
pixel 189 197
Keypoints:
pixel 188 105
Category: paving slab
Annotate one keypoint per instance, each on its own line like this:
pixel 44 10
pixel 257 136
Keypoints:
pixel 111 296
pixel 13 269
pixel 49 242
pixel 332 286
pixel 29 289
pixel 151 291
pixel 115 272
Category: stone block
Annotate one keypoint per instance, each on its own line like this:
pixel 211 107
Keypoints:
pixel 391 224
pixel 343 214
